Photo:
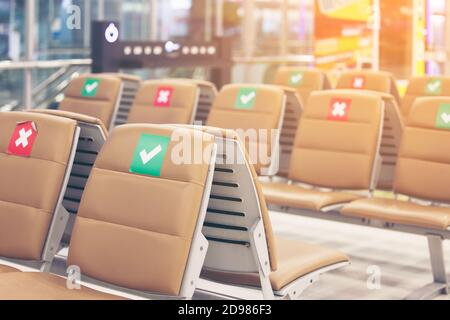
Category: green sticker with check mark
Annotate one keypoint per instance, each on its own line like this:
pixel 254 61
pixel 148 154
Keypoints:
pixel 246 99
pixel 296 79
pixel 434 87
pixel 149 155
pixel 443 117
pixel 90 88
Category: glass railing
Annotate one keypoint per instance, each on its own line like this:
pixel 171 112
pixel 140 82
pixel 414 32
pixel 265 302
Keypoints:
pixel 50 78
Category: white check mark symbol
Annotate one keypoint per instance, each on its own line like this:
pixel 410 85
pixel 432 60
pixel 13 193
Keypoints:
pixel 91 87
pixel 296 79
pixel 446 117
pixel 433 87
pixel 245 99
pixel 147 157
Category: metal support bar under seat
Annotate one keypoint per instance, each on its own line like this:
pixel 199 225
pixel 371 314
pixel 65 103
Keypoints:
pixel 262 259
pixel 440 280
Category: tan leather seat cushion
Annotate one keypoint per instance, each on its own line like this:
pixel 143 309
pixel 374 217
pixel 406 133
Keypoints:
pixel 297 197
pixel 74 116
pixel 372 80
pixel 337 154
pixel 183 103
pixel 417 88
pixel 400 212
pixel 6 269
pixel 102 106
pixel 44 286
pixel 312 80
pixel 295 260
pixel 136 230
pixel 29 187
pixel 265 115
pixel 423 166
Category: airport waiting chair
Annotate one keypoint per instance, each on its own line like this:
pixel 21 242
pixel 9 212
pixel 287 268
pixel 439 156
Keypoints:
pixel 336 156
pixel 292 114
pixel 393 126
pixel 130 87
pixel 242 248
pixel 257 113
pixel 424 87
pixel 303 80
pixel 379 81
pixel 423 175
pixel 128 219
pixel 385 84
pixel 36 156
pixel 94 95
pixel 93 135
pixel 165 102
pixel 208 93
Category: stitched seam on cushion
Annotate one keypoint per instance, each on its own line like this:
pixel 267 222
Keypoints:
pixel 148 177
pixel 34 158
pixel 146 107
pixel 23 205
pixel 248 112
pixel 333 151
pixel 312 118
pixel 424 160
pixel 136 228
pixel 90 99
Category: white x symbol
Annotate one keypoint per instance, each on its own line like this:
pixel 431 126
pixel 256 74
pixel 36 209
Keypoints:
pixel 163 96
pixel 339 109
pixel 358 83
pixel 23 139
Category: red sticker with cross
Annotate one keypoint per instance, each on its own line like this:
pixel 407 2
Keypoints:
pixel 22 139
pixel 339 109
pixel 358 82
pixel 163 97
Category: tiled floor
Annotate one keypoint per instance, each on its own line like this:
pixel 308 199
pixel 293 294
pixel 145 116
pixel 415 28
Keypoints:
pixel 401 259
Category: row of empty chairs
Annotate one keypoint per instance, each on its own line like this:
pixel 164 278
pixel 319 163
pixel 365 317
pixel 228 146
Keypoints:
pixel 130 238
pixel 396 111
pixel 336 162
pixel 266 113
pixel 306 81
pixel 261 107
pixel 117 99
pixel 115 96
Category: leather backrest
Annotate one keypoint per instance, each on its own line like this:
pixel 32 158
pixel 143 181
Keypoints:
pixel 165 102
pixel 208 93
pixel 303 80
pixel 94 95
pixel 74 116
pixel 424 87
pixel 338 140
pixel 423 167
pixel 255 111
pixel 31 182
pixel 140 209
pixel 379 81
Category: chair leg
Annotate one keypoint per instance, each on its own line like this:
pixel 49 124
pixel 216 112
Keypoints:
pixel 440 283
pixel 266 286
pixel 438 261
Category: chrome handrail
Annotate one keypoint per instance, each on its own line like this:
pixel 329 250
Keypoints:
pixel 22 65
